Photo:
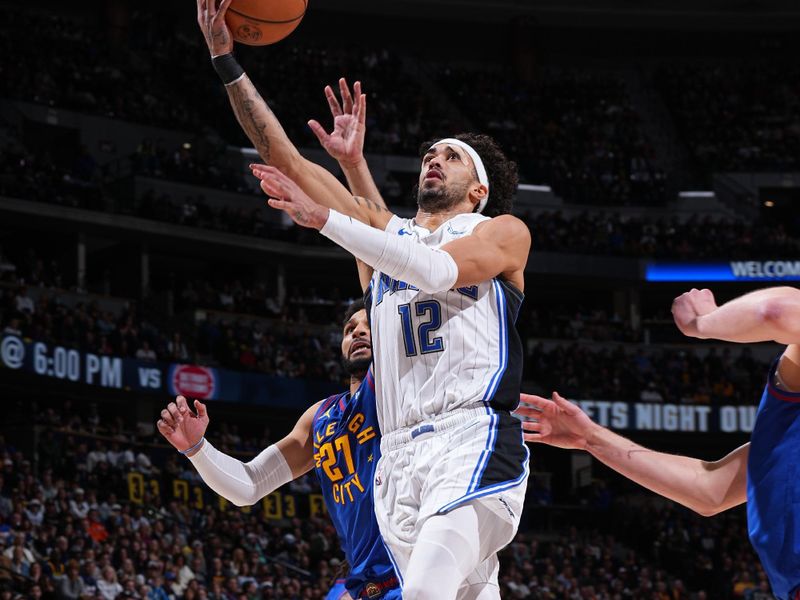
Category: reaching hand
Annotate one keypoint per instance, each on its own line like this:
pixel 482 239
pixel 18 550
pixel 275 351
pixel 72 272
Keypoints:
pixel 558 422
pixel 346 142
pixel 211 19
pixel 687 307
pixel 284 194
pixel 180 426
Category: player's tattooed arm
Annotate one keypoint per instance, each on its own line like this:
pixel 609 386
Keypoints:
pixel 376 208
pixel 211 19
pixel 302 194
pixel 254 115
pixel 286 195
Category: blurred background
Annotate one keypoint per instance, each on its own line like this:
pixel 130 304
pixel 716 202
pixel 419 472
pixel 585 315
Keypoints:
pixel 658 144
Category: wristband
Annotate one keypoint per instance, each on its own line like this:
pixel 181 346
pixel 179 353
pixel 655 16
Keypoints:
pixel 195 447
pixel 227 68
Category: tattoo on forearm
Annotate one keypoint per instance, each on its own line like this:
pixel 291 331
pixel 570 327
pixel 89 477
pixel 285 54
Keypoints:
pixel 371 205
pixel 251 111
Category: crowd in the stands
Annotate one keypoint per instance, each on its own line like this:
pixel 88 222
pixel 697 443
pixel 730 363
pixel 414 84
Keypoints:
pixel 72 525
pixel 736 115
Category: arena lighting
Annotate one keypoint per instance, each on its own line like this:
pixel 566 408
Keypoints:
pixel 534 188
pixel 696 194
pixel 769 203
pixel 738 270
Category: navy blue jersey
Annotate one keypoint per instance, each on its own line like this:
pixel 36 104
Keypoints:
pixel 346 450
pixel 773 488
pixel 338 591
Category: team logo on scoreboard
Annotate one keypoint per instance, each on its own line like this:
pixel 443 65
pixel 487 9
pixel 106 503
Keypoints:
pixel 193 381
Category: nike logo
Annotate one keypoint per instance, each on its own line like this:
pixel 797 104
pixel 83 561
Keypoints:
pixel 455 231
pixel 402 231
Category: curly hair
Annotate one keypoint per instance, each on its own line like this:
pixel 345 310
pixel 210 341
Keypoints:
pixel 352 308
pixel 501 171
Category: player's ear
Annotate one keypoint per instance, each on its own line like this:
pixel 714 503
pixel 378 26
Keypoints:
pixel 477 193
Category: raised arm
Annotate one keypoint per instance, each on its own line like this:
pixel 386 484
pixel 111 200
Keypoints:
pixel 770 314
pixel 259 122
pixel 705 487
pixel 241 483
pixel 346 142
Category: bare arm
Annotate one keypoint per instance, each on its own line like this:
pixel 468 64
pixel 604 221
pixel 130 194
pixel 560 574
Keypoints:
pixel 298 446
pixel 705 487
pixel 262 126
pixel 770 314
pixel 368 211
pixel 496 247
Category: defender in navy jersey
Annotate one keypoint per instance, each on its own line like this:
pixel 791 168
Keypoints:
pixel 346 450
pixel 338 437
pixel 763 472
pixel 338 591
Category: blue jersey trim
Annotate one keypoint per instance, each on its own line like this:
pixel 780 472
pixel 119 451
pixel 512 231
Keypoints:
pixel 325 405
pixel 783 395
pixel 394 562
pixel 492 489
pixel 503 340
pixel 483 461
pixel 485 454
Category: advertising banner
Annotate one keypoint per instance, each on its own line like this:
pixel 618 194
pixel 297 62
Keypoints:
pixel 742 270
pixel 192 381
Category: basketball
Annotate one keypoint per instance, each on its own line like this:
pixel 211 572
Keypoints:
pixel 263 22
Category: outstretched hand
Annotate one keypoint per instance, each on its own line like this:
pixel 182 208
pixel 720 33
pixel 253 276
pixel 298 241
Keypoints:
pixel 284 194
pixel 690 305
pixel 558 422
pixel 211 19
pixel 346 142
pixel 180 426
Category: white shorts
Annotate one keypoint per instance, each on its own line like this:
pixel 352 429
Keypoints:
pixel 466 455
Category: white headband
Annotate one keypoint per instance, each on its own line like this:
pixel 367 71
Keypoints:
pixel 476 159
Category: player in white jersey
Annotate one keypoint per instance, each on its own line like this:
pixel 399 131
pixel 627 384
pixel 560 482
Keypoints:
pixel 443 299
pixel 504 244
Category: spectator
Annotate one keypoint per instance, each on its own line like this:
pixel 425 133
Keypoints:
pixel 23 301
pixel 108 586
pixel 71 586
pixel 34 512
pixel 651 393
pixel 176 349
pixel 18 549
pixel 145 352
pixel 78 505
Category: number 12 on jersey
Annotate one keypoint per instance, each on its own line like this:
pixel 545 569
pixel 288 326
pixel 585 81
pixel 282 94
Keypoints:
pixel 430 312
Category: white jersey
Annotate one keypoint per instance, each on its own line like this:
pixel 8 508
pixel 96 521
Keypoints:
pixel 434 353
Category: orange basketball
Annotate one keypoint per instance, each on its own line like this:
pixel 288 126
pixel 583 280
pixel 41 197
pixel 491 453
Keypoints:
pixel 263 22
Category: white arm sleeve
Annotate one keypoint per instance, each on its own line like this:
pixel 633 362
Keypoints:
pixel 430 269
pixel 243 484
